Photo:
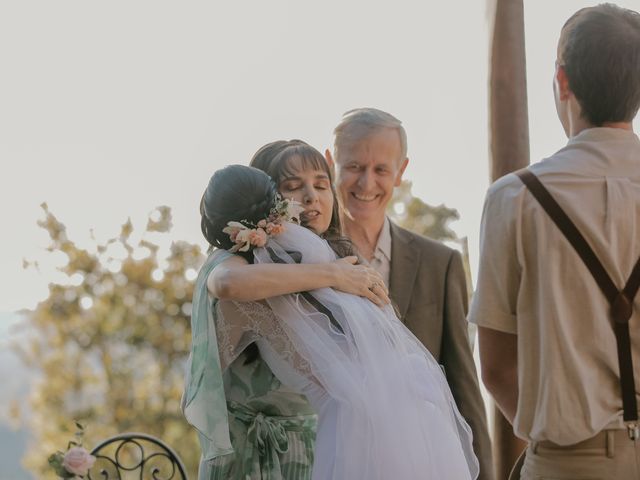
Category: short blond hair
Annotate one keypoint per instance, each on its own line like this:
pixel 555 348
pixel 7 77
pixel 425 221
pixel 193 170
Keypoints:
pixel 360 123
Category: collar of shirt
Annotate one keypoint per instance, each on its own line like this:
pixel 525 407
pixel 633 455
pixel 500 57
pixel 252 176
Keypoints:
pixel 383 247
pixel 598 151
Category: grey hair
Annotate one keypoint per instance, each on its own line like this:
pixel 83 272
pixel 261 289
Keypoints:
pixel 359 123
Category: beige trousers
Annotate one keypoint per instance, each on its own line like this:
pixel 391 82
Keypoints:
pixel 610 455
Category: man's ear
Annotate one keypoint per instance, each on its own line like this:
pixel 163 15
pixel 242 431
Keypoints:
pixel 329 157
pixel 401 172
pixel 562 83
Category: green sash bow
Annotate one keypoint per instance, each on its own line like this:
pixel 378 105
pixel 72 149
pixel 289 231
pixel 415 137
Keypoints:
pixel 268 433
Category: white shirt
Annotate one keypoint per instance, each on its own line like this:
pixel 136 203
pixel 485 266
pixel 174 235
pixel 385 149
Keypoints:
pixel 381 261
pixel 532 283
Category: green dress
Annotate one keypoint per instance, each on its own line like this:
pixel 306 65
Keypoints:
pixel 250 426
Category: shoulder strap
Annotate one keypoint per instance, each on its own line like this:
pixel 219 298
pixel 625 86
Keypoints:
pixel 621 301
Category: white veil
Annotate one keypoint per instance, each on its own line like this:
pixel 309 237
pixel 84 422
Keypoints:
pixel 396 415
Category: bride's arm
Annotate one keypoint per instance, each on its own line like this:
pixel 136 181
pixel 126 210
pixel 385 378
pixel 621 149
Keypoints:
pixel 236 279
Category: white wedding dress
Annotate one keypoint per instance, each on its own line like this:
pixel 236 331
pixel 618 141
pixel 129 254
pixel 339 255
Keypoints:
pixel 385 411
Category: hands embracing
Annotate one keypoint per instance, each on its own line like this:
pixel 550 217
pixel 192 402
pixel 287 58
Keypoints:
pixel 360 280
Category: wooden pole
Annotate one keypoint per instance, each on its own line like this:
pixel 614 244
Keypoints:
pixel 509 152
pixel 508 110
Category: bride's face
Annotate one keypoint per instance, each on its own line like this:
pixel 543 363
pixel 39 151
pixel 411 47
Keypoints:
pixel 312 188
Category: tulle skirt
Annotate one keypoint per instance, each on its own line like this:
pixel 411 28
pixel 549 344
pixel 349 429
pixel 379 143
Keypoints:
pixel 384 405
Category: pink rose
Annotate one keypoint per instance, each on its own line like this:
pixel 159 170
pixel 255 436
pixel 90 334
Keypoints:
pixel 262 223
pixel 258 237
pixel 78 461
pixel 277 229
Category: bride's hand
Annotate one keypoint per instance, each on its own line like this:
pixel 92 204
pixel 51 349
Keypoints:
pixel 360 280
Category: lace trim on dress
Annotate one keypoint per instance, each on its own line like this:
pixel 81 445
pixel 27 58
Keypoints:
pixel 241 323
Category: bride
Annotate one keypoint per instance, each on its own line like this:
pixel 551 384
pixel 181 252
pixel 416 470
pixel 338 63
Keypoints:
pixel 250 425
pixel 384 407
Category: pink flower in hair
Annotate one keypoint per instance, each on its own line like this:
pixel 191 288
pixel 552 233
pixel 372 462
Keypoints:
pixel 246 235
pixel 277 229
pixel 258 237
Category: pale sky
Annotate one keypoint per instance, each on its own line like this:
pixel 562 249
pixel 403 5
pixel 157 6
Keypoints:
pixel 108 109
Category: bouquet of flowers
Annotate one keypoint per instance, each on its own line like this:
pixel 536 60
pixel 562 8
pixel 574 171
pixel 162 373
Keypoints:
pixel 76 461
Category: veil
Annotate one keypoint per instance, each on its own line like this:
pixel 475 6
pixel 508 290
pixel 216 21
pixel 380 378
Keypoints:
pixel 396 417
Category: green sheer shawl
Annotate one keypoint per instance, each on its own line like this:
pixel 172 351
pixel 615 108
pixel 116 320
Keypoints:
pixel 203 402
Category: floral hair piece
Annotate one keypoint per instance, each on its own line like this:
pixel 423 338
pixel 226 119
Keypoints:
pixel 246 235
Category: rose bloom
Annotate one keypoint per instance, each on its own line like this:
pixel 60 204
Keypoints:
pixel 277 229
pixel 78 461
pixel 243 238
pixel 262 223
pixel 258 237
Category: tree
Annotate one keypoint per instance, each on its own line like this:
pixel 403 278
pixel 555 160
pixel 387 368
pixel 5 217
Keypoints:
pixel 112 343
pixel 413 214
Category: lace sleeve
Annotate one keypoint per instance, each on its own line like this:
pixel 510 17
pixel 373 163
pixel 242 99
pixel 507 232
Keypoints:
pixel 241 323
pixel 234 332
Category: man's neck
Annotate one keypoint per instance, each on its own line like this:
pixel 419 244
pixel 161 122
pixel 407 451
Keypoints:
pixel 364 235
pixel 621 125
pixel 579 124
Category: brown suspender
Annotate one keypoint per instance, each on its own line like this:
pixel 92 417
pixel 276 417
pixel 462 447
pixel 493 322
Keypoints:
pixel 621 301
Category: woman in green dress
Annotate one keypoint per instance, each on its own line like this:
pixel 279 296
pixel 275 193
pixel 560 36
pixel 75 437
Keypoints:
pixel 251 427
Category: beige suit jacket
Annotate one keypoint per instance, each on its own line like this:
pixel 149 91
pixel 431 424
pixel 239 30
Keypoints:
pixel 427 283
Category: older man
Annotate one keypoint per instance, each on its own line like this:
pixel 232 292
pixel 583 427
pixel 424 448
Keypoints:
pixel 559 341
pixel 425 278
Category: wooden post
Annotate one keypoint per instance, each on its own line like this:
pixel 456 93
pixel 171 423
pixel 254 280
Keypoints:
pixel 509 152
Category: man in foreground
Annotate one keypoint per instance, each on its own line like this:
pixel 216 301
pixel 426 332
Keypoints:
pixel 551 317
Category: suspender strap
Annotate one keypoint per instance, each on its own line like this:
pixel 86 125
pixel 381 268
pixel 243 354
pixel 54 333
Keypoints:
pixel 621 301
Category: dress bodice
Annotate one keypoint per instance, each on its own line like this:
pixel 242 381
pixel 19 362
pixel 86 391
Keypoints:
pixel 255 384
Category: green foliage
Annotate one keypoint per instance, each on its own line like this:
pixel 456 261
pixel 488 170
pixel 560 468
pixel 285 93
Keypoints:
pixel 55 462
pixel 413 214
pixel 111 345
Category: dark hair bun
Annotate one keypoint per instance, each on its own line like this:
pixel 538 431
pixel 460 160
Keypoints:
pixel 235 193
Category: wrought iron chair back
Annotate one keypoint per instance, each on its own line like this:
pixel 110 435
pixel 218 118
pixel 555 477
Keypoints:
pixel 137 456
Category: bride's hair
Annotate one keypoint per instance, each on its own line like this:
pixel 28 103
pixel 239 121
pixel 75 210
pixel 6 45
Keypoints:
pixel 275 159
pixel 235 193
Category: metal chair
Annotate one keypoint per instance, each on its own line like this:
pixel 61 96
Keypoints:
pixel 135 456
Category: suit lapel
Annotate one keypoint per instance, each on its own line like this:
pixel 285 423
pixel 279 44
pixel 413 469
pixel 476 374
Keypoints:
pixel 404 267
